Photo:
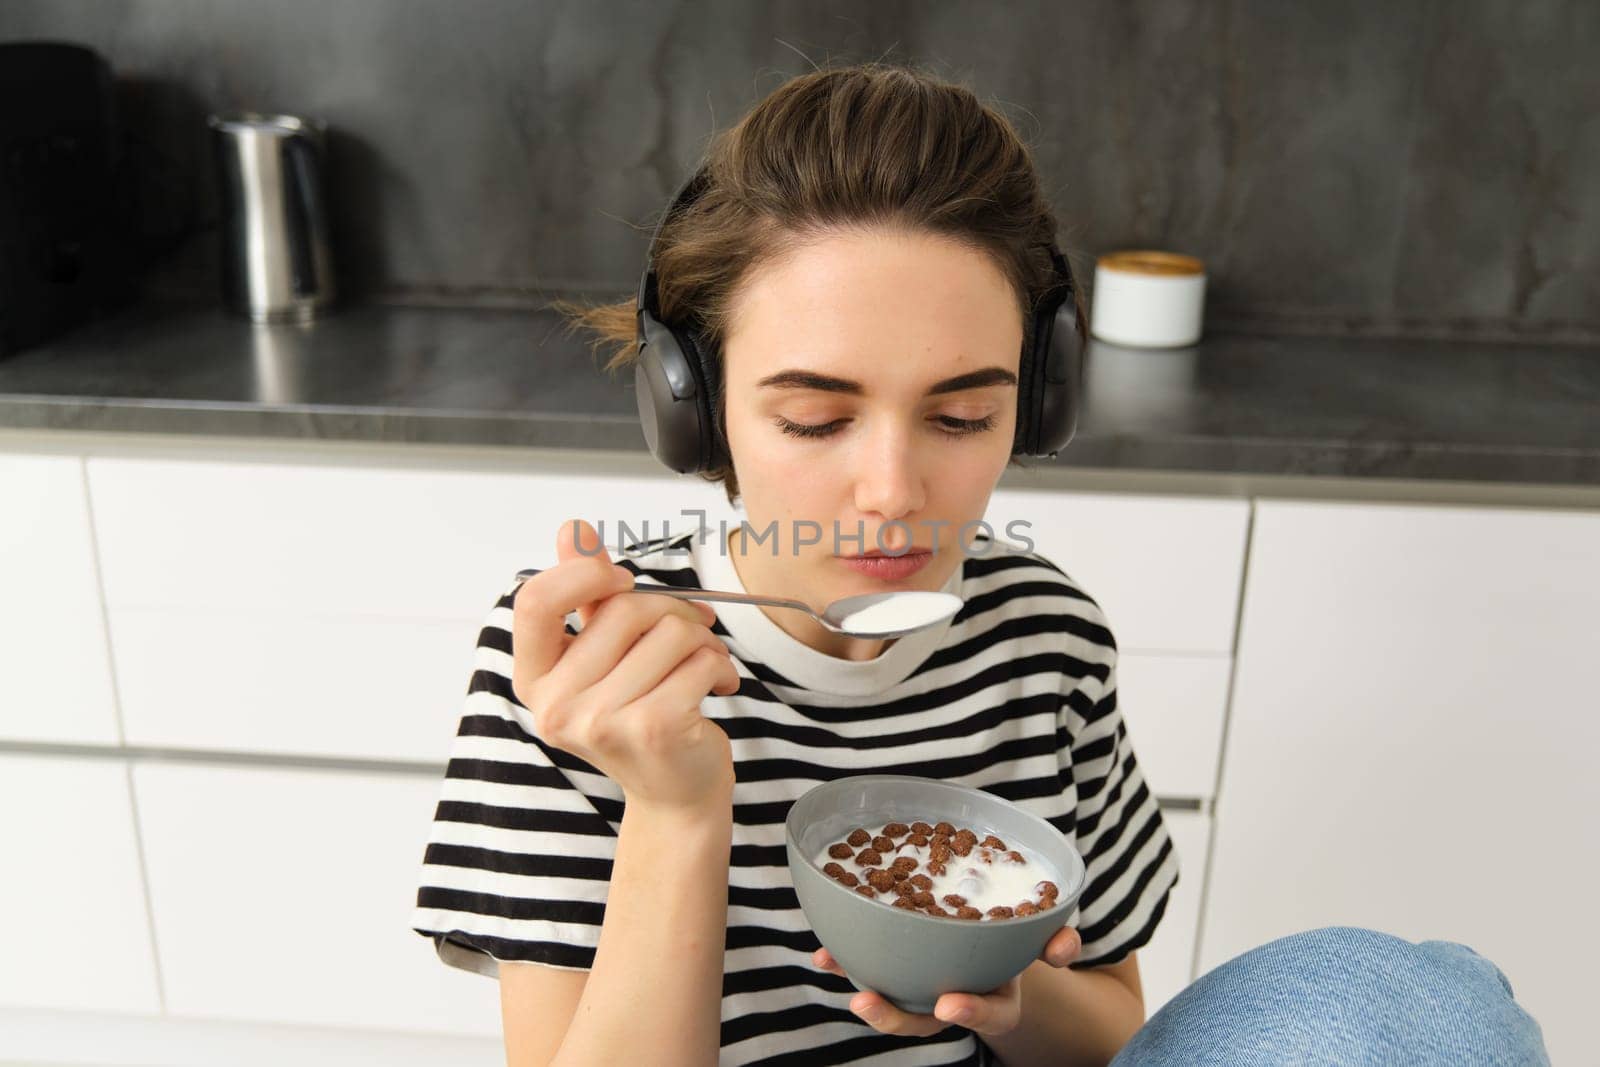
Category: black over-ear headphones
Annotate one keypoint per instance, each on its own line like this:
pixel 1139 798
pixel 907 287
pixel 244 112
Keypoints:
pixel 676 368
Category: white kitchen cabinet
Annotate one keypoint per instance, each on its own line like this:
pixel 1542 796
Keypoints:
pixel 76 933
pixel 1166 963
pixel 1174 708
pixel 55 673
pixel 300 540
pixel 327 610
pixel 285 895
pixel 1165 569
pixel 219 679
pixel 1413 741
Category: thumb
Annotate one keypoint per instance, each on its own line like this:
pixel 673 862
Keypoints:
pixel 576 540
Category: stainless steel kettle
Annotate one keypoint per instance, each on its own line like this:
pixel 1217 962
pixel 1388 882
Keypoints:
pixel 276 263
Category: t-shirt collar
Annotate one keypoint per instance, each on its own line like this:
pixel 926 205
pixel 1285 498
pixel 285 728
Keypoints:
pixel 768 643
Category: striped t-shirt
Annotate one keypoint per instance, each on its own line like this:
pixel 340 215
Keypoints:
pixel 1016 694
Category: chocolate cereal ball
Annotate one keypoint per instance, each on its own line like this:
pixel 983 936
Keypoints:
pixel 858 837
pixel 841 851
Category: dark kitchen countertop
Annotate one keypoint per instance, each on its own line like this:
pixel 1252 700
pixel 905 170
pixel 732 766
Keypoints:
pixel 1234 404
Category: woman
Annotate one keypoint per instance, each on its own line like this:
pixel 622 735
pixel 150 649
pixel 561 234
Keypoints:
pixel 861 268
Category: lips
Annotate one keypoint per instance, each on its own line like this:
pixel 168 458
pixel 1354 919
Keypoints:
pixel 875 553
pixel 886 567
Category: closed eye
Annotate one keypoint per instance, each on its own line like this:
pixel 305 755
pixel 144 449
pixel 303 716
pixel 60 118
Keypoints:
pixel 949 425
pixel 800 429
pixel 962 427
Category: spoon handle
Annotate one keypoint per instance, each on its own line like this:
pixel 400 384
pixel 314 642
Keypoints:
pixel 691 593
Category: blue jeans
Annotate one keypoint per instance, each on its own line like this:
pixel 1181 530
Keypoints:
pixel 1342 995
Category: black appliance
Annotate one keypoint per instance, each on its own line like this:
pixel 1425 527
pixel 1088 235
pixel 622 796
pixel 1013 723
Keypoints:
pixel 64 253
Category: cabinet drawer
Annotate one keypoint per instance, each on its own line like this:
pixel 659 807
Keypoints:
pixel 285 895
pixel 55 675
pixel 1166 570
pixel 225 679
pixel 77 935
pixel 324 609
pixel 367 542
pixel 1174 708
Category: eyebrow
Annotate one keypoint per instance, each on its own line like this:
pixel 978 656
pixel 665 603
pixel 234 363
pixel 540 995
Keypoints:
pixel 804 379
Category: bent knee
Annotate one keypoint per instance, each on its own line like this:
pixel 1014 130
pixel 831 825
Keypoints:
pixel 1373 990
pixel 1340 948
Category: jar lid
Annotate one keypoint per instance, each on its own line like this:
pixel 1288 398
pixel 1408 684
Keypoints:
pixel 1150 261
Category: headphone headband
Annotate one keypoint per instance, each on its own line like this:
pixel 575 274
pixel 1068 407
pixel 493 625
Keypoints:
pixel 649 297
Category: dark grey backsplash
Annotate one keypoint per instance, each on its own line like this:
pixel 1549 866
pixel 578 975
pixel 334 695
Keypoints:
pixel 1427 167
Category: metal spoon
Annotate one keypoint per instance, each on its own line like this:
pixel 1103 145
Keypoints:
pixel 892 614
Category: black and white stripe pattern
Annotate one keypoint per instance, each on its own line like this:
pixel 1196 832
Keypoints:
pixel 1019 698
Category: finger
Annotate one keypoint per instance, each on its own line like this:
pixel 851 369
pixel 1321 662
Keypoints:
pixel 888 1019
pixel 616 626
pixel 658 652
pixel 576 539
pixel 988 1013
pixel 541 606
pixel 822 959
pixel 689 683
pixel 1063 948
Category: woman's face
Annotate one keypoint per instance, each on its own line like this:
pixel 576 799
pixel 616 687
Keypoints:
pixel 902 349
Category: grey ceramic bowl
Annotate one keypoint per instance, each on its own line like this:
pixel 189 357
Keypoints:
pixel 909 957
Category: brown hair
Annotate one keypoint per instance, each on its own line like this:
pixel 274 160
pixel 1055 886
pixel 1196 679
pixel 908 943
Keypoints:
pixel 856 146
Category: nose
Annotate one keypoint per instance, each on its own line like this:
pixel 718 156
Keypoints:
pixel 889 480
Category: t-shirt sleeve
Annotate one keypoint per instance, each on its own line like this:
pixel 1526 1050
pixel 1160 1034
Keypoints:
pixel 1118 826
pixel 519 852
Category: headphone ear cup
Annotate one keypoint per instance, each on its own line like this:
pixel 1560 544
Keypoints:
pixel 1061 381
pixel 670 393
pixel 1030 385
pixel 701 354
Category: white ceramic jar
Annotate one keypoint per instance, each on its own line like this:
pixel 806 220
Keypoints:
pixel 1147 299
